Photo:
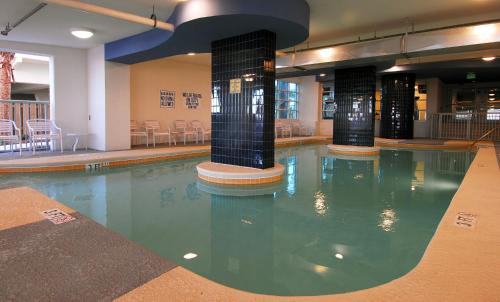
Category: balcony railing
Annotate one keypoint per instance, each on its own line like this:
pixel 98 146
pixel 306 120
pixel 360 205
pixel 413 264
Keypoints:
pixel 467 126
pixel 20 111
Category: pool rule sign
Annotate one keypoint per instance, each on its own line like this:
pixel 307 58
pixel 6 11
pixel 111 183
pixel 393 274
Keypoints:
pixel 234 86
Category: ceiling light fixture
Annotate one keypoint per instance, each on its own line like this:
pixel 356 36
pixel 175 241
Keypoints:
pixel 484 31
pixel 325 53
pixel 191 54
pixel 82 33
pixel 322 75
pixel 339 256
pixel 488 59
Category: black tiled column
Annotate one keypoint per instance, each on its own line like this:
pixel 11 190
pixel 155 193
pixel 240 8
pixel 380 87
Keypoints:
pixel 243 122
pixel 398 104
pixel 354 120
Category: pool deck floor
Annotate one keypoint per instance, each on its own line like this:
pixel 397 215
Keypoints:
pixel 82 261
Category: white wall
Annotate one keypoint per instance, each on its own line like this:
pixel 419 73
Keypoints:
pixel 109 102
pixel 68 73
pixel 117 106
pixel 96 98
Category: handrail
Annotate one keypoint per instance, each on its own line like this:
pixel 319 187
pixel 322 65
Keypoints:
pixel 24 101
pixel 484 135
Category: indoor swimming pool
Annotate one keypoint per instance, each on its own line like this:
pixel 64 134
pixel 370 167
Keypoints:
pixel 334 224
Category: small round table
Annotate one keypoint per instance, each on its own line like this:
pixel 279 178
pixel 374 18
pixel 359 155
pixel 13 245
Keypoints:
pixel 77 137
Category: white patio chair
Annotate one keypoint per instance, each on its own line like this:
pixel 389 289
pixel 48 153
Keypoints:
pixel 198 126
pixel 181 128
pixel 43 130
pixel 135 132
pixel 300 129
pixel 154 127
pixel 283 127
pixel 277 128
pixel 9 133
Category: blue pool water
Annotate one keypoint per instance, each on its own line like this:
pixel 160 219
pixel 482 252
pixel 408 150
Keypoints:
pixel 332 225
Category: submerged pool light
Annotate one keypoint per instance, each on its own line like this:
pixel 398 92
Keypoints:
pixel 190 256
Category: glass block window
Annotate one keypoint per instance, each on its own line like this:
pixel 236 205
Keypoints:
pixel 327 102
pixel 287 98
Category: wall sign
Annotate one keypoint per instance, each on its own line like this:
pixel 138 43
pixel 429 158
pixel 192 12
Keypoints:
pixel 167 99
pixel 192 99
pixel 235 86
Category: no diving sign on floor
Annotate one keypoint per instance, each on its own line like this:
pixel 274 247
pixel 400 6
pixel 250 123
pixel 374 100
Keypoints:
pixel 465 220
pixel 57 216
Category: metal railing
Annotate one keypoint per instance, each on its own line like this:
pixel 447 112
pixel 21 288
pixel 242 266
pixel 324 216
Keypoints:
pixel 20 111
pixel 466 126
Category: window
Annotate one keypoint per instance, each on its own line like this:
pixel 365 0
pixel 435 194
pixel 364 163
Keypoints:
pixel 327 102
pixel 287 97
pixel 420 111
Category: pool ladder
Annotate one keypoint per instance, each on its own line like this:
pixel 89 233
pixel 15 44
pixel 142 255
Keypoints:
pixel 483 136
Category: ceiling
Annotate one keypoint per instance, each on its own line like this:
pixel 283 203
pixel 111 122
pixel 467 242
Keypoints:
pixel 51 25
pixel 456 71
pixel 338 20
pixel 330 20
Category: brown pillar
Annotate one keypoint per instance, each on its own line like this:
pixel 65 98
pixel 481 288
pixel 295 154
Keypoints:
pixel 6 78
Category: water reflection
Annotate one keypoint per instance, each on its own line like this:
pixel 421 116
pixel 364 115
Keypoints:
pixel 320 204
pixel 387 220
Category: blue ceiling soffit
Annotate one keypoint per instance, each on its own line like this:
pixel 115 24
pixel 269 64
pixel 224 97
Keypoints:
pixel 199 22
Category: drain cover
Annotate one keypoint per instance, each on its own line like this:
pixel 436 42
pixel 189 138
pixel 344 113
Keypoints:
pixel 57 216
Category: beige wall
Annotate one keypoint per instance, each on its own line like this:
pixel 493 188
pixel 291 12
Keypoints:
pixel 148 78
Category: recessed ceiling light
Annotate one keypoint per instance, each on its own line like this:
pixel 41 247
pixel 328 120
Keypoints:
pixel 191 54
pixel 339 256
pixel 82 33
pixel 322 75
pixel 488 59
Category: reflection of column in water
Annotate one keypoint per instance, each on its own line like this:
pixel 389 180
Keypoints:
pixel 242 240
pixel 397 171
pixel 354 183
pixel 290 177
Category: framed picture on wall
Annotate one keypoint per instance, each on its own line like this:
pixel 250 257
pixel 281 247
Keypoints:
pixel 192 99
pixel 167 99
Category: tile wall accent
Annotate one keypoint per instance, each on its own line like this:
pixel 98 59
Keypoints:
pixel 398 104
pixel 354 119
pixel 243 75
